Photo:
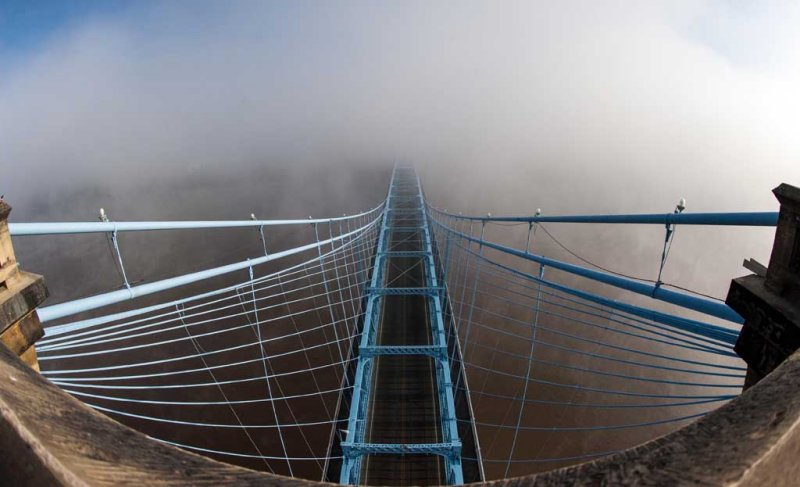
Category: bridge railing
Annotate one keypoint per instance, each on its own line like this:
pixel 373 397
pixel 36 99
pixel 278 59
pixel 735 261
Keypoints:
pixel 50 313
pixel 655 289
pixel 750 219
pixel 560 373
pixel 264 362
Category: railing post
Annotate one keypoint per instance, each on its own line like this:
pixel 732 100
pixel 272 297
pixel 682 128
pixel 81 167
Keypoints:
pixel 770 304
pixel 20 293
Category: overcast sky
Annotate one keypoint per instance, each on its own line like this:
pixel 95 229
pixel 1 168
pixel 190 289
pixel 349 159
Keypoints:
pixel 574 107
pixel 661 99
pixel 570 106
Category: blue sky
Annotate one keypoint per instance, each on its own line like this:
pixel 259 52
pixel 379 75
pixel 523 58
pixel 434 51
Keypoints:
pixel 620 104
pixel 28 25
pixel 662 93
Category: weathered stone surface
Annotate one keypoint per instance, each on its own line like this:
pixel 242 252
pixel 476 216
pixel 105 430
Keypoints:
pixel 5 209
pixel 9 269
pixel 754 437
pixel 20 336
pixel 20 294
pixel 50 438
pixel 29 292
pixel 783 275
pixel 771 330
pixel 29 357
pixel 770 304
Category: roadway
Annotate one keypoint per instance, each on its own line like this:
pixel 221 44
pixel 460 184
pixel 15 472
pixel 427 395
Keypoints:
pixel 404 407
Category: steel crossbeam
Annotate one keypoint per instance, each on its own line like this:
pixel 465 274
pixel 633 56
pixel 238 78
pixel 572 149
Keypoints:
pixel 354 447
pixel 447 450
pixel 435 351
pixel 351 465
pixel 405 211
pixel 405 253
pixel 405 229
pixel 405 291
pixel 447 408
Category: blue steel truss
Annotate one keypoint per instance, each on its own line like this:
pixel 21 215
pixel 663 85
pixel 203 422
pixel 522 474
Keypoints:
pixel 406 229
pixel 435 351
pixel 354 447
pixel 406 253
pixel 655 291
pixel 443 449
pixel 405 291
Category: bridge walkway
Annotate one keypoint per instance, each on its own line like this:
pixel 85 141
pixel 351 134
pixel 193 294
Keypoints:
pixel 402 425
pixel 404 407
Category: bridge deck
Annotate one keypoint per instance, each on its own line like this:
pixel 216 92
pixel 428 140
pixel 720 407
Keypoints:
pixel 403 422
pixel 404 408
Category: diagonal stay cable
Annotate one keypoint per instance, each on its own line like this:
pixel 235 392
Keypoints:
pixel 198 348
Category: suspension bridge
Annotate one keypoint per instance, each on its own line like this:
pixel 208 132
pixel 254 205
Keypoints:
pixel 403 345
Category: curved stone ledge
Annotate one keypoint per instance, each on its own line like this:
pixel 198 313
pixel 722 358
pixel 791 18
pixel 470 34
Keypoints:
pixel 752 440
pixel 48 438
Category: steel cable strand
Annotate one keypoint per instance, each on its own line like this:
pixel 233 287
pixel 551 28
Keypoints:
pixel 598 428
pixel 88 382
pixel 701 347
pixel 242 302
pixel 305 355
pixel 234 288
pixel 171 341
pixel 353 333
pixel 615 359
pixel 203 403
pixel 619 313
pixel 86 304
pixel 210 425
pixel 51 374
pixel 198 348
pixel 614 330
pixel 241 455
pixel 595 405
pixel 608 374
pixel 594 389
pixel 616 347
pixel 257 331
pixel 327 294
pixel 706 328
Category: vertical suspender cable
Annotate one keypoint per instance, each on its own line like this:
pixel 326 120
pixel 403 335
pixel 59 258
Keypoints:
pixel 257 327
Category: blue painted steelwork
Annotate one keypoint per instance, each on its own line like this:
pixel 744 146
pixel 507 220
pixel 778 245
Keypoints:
pixel 445 386
pixel 443 449
pixel 61 228
pixel 49 313
pixel 406 229
pixel 354 447
pixel 435 351
pixel 685 324
pixel 405 291
pixel 750 219
pixel 406 253
pixel 707 306
pixel 356 423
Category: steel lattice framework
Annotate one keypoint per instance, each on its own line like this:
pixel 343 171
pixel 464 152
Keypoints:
pixel 355 447
pixel 498 354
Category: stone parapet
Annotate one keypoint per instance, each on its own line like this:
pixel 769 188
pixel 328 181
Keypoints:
pixel 20 294
pixel 770 304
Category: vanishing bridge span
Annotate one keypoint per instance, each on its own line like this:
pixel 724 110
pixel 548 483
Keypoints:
pixel 404 345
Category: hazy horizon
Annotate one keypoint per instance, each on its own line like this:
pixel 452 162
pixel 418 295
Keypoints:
pixel 199 110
